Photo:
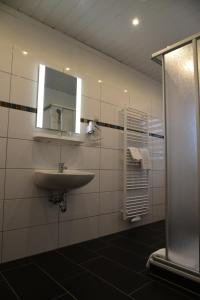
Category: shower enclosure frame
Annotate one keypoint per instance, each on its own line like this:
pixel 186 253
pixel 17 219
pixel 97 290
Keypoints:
pixel 161 261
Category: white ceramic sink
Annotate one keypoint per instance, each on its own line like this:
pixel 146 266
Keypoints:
pixel 69 179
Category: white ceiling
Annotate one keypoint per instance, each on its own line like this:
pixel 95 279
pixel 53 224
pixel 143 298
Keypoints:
pixel 106 25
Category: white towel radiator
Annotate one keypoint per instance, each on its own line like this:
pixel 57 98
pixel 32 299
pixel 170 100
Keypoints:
pixel 136 180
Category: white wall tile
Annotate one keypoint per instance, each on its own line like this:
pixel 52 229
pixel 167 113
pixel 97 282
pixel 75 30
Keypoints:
pixel 110 202
pixel 91 88
pixel 140 101
pixel 29 241
pixel 80 157
pixel 81 206
pixel 158 195
pixel 150 178
pixel 111 159
pixel 20 184
pixel 5 57
pixel 110 180
pixel 31 154
pixel 2 177
pixel 125 224
pixel 158 162
pixel 110 114
pixel 157 108
pixel 23 91
pixel 20 213
pixel 108 224
pixel 158 179
pixel 76 231
pixel 25 65
pixel 90 108
pixel 4 86
pixel 22 125
pixel 3 152
pixel 158 212
pixel 1 217
pixel 114 95
pixel 3 121
pixel 158 154
pixel 111 138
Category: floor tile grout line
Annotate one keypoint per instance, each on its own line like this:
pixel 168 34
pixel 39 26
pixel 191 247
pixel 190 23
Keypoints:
pixel 104 280
pixel 123 248
pixel 10 286
pixel 106 258
pixel 69 277
pixel 140 288
pixel 120 264
pixel 135 253
pixel 113 261
pixel 172 286
pixel 91 259
pixel 53 279
pixel 85 268
pixel 143 243
pixel 59 297
pixel 130 251
pixel 16 267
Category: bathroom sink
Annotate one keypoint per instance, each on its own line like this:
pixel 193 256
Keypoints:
pixel 69 179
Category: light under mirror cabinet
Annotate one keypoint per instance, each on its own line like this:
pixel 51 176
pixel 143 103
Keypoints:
pixel 59 113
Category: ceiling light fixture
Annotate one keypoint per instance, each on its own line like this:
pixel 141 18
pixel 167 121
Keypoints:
pixel 99 81
pixel 24 52
pixel 67 69
pixel 125 91
pixel 135 22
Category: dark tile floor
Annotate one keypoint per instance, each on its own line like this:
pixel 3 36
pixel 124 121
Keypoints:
pixel 112 267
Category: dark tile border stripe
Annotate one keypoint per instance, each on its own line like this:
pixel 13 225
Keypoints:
pixel 122 128
pixel 156 135
pixel 103 124
pixel 18 106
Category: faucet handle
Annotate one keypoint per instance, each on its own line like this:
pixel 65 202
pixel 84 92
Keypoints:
pixel 61 166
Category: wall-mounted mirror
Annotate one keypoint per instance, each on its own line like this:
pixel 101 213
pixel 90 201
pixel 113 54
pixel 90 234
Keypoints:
pixel 59 101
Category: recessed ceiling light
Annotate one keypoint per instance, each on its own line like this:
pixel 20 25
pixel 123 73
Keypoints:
pixel 99 81
pixel 125 91
pixel 24 52
pixel 67 69
pixel 135 22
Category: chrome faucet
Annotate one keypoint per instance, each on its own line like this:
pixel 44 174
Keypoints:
pixel 61 167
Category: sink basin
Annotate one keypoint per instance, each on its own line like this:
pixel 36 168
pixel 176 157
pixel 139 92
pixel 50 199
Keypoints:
pixel 69 179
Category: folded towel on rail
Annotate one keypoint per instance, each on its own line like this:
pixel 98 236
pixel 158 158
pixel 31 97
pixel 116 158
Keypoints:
pixel 135 153
pixel 146 159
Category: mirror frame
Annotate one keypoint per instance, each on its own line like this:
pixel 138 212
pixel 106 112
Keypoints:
pixel 40 100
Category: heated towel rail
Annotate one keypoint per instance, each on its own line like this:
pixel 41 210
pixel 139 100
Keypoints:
pixel 136 180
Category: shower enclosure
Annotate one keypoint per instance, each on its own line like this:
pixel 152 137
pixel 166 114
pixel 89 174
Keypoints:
pixel 180 74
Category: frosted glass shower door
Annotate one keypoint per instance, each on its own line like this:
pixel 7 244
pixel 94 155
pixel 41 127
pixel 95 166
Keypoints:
pixel 182 162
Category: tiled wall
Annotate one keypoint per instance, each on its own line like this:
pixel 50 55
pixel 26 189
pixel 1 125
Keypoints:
pixel 28 222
